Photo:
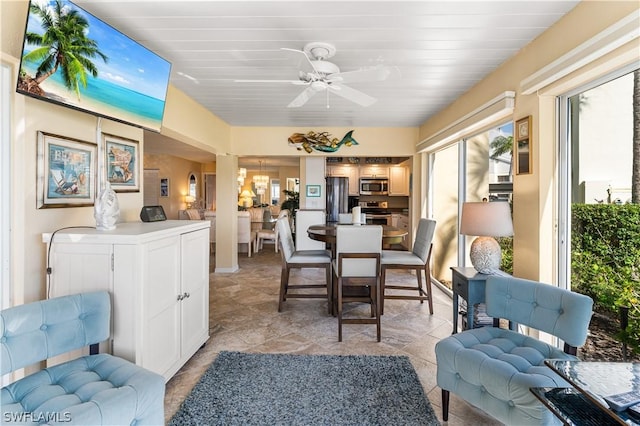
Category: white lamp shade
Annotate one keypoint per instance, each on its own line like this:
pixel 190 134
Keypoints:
pixel 486 219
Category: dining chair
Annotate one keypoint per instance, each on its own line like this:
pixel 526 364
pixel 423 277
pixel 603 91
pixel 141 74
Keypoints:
pixel 304 219
pixel 193 214
pixel 357 272
pixel 300 259
pixel 418 259
pixel 270 234
pixel 345 218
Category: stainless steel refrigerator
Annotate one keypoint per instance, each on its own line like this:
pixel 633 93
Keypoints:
pixel 337 197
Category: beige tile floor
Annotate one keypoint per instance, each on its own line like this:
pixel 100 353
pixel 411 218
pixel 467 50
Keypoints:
pixel 244 317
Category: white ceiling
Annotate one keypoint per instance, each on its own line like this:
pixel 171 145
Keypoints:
pixel 441 48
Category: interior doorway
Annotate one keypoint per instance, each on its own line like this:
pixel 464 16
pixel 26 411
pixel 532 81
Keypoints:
pixel 210 191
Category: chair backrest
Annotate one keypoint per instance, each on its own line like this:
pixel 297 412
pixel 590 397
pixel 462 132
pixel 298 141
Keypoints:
pixel 345 218
pixel 244 227
pixel 424 236
pixel 211 217
pixel 256 214
pixel 304 219
pixel 193 214
pixel 547 308
pixel 358 239
pixel 283 228
pixel 37 331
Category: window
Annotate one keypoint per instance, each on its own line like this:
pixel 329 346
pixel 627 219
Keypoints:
pixel 468 170
pixel 596 159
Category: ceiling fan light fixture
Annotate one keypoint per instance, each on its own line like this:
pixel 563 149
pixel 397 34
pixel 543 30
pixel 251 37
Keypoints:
pixel 318 85
pixel 325 67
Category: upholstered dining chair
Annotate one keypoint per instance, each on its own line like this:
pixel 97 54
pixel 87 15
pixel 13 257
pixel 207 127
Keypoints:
pixel 300 259
pixel 345 218
pixel 270 234
pixel 357 267
pixel 417 259
pixel 493 368
pixel 193 214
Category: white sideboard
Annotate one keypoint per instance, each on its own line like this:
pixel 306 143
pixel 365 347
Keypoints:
pixel 158 276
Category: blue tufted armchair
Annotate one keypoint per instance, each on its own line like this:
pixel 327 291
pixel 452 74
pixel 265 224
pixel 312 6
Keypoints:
pixel 97 389
pixel 493 368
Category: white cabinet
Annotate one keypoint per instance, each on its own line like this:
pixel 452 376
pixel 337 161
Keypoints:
pixel 374 171
pixel 158 276
pixel 349 171
pixel 399 180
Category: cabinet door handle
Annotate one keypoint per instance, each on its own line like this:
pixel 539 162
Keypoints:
pixel 186 295
pixel 180 297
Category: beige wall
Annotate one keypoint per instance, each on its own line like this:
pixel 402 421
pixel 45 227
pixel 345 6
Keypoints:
pixel 177 170
pixel 372 141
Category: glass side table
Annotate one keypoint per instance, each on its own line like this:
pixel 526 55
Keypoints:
pixel 583 404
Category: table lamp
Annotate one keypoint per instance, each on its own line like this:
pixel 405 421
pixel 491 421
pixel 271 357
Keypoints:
pixel 246 198
pixel 486 220
pixel 189 200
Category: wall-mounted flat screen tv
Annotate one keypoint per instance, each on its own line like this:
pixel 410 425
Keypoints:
pixel 74 59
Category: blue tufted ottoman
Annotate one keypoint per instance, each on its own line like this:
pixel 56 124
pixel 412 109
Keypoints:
pixel 96 389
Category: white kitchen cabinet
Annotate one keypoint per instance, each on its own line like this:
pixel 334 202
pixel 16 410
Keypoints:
pixel 351 172
pixel 399 180
pixel 374 171
pixel 158 276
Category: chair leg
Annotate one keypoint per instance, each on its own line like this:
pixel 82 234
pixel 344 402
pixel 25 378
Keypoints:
pixel 445 405
pixel 339 309
pixel 378 301
pixel 284 282
pixel 383 277
pixel 427 274
pixel 419 276
pixel 329 289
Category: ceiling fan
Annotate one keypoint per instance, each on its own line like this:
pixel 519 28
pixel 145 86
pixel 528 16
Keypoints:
pixel 322 75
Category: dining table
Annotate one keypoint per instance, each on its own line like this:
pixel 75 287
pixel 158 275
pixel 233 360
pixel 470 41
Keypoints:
pixel 327 233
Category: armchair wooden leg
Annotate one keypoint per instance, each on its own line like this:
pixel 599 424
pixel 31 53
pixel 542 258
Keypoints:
pixel 445 405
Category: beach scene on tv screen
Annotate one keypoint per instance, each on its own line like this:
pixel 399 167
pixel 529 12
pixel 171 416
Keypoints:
pixel 73 58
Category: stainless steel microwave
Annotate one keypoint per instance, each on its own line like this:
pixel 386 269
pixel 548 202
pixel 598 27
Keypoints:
pixel 374 186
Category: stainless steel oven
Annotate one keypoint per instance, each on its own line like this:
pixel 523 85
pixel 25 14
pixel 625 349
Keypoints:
pixel 374 186
pixel 377 219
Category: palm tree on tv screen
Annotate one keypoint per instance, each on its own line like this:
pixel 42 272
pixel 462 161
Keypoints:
pixel 63 45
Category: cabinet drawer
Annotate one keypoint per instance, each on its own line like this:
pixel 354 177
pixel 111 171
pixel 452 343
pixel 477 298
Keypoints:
pixel 460 287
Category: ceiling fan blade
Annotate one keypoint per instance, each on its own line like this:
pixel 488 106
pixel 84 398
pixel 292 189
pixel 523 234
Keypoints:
pixel 295 82
pixel 352 94
pixel 377 73
pixel 302 98
pixel 308 64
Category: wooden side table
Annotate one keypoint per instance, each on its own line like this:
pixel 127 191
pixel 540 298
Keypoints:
pixel 470 285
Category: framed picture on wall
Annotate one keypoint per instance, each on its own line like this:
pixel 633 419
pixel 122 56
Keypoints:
pixel 66 172
pixel 523 146
pixel 122 163
pixel 164 187
pixel 313 190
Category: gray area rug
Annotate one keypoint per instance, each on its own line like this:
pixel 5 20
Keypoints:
pixel 279 389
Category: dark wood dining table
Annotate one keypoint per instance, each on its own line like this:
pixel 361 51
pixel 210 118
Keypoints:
pixel 327 234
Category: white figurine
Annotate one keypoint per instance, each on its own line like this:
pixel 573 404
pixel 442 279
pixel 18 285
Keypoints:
pixel 106 209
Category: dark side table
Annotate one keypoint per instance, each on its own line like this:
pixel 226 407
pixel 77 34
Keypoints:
pixel 470 285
